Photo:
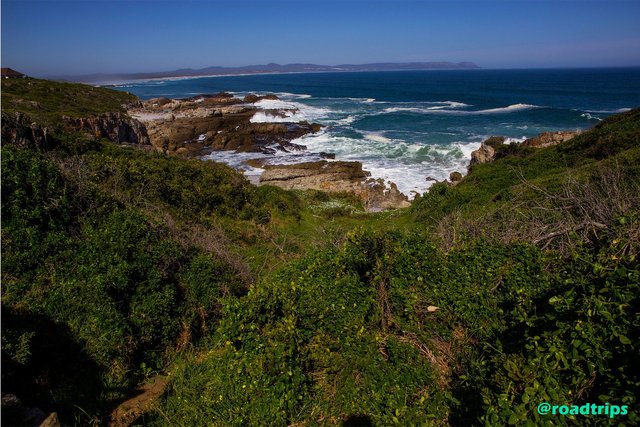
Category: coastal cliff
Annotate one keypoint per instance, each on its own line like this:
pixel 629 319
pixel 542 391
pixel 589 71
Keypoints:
pixel 116 127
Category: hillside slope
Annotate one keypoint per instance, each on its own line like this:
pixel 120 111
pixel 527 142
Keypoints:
pixel 268 307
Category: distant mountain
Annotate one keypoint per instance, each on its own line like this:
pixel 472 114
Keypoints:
pixel 272 68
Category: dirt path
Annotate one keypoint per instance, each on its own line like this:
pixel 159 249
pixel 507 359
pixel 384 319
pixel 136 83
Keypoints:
pixel 129 410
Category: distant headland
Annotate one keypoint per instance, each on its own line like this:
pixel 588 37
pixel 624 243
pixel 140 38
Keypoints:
pixel 271 68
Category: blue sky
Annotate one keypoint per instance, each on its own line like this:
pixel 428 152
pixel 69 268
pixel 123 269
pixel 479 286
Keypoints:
pixel 44 38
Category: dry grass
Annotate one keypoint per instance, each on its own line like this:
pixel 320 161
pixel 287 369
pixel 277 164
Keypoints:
pixel 581 212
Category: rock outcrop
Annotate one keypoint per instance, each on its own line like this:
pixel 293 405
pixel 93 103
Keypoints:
pixel 19 130
pixel 494 141
pixel 455 177
pixel 216 122
pixel 255 98
pixel 484 154
pixel 190 127
pixel 336 177
pixel 547 139
pixel 116 127
pixel 494 147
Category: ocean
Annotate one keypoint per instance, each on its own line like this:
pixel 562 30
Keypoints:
pixel 406 126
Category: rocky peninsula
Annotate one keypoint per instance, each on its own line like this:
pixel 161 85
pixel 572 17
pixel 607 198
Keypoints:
pixel 200 125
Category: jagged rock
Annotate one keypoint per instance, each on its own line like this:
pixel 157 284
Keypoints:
pixel 324 155
pixel 455 177
pixel 222 95
pixel 116 127
pixel 484 154
pixel 19 130
pixel 225 126
pixel 156 102
pixel 14 411
pixel 251 98
pixel 336 177
pixel 134 104
pixel 547 139
pixel 378 197
pixel 494 141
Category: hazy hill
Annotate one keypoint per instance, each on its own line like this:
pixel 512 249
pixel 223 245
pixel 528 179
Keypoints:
pixel 271 68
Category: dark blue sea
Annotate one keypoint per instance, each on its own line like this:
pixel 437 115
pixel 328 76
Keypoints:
pixel 405 126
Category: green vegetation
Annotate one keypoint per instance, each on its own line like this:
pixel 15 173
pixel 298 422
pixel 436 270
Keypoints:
pixel 46 101
pixel 517 286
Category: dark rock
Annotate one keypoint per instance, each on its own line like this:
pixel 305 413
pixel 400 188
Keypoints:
pixel 14 411
pixel 157 102
pixel 455 177
pixel 494 141
pixel 225 126
pixel 250 99
pixel 222 95
pixel 116 127
pixel 324 155
pixel 290 146
pixel 18 130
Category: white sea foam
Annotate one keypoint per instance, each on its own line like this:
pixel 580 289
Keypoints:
pixel 619 110
pixel 288 111
pixel 344 121
pixel 292 95
pixel 238 160
pixel 406 164
pixel 589 116
pixel 445 110
pixel 361 100
pixel 378 137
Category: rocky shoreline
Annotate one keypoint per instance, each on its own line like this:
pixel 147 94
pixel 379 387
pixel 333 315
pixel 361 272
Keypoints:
pixel 197 126
pixel 201 125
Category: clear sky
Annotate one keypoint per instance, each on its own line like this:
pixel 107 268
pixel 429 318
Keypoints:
pixel 45 38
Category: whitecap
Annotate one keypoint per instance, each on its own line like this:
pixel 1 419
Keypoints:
pixel 619 110
pixel 288 111
pixel 406 164
pixel 444 110
pixel 589 116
